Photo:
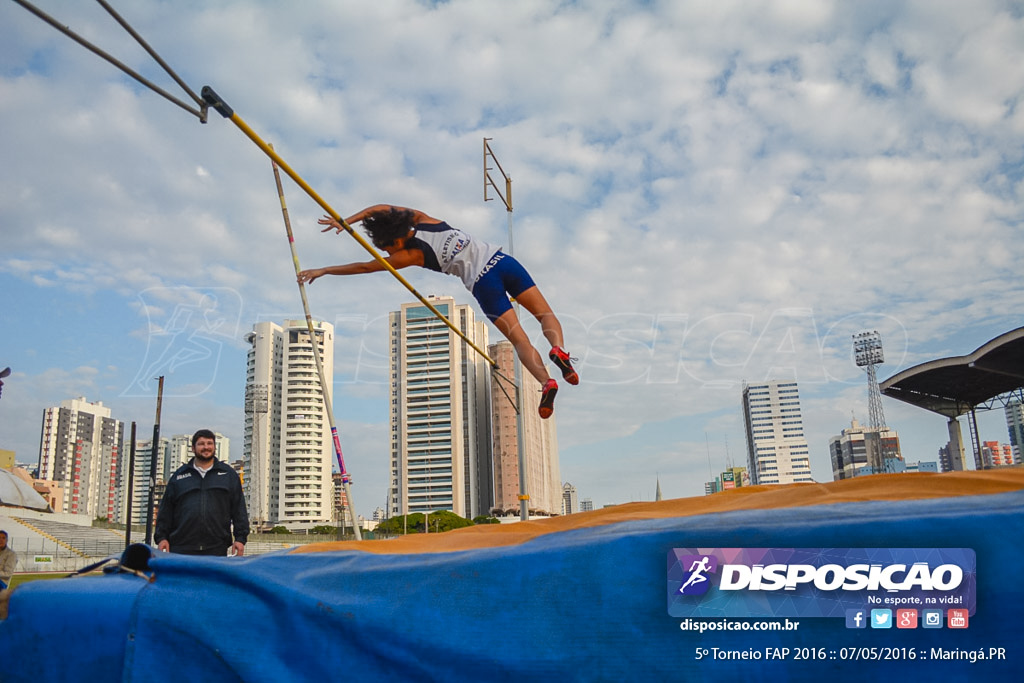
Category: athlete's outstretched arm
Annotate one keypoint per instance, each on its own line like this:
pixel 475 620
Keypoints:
pixel 400 259
pixel 417 216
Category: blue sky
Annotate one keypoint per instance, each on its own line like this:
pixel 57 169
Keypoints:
pixel 707 193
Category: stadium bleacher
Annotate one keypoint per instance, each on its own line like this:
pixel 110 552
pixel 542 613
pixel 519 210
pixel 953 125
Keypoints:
pixel 86 541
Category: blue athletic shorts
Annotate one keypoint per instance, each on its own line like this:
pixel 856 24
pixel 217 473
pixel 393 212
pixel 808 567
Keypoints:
pixel 501 278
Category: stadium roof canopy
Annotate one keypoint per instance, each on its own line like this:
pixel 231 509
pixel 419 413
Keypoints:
pixel 954 386
pixel 17 494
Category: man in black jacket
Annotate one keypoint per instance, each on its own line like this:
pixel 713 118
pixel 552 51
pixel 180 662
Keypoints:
pixel 203 509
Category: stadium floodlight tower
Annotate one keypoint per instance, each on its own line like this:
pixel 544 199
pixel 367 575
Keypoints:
pixel 867 351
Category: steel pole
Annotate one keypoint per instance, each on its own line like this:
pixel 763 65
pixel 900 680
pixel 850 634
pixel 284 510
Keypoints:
pixel 328 407
pixel 152 463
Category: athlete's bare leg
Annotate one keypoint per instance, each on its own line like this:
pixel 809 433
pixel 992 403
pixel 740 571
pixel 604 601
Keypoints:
pixel 533 301
pixel 508 324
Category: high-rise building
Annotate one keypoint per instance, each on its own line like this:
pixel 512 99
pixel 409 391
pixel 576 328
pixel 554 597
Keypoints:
pixel 852 450
pixel 569 505
pixel 440 410
pixel 586 505
pixel 140 479
pixel 288 450
pixel 179 452
pixel 777 452
pixel 948 458
pixel 540 442
pixel 995 454
pixel 848 451
pixel 1014 412
pixel 80 449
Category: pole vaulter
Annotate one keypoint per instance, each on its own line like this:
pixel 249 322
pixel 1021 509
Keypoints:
pixel 345 479
pixel 213 100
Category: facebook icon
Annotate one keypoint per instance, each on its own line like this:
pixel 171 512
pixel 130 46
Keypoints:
pixel 856 618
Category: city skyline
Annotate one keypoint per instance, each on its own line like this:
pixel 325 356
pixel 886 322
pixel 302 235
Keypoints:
pixel 706 194
pixel 847 448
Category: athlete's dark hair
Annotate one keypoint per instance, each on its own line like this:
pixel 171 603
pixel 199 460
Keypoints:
pixel 202 434
pixel 387 227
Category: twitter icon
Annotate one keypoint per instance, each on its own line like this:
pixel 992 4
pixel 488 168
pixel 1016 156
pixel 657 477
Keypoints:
pixel 881 618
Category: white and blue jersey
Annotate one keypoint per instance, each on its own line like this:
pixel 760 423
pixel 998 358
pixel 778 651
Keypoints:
pixel 451 251
pixel 488 273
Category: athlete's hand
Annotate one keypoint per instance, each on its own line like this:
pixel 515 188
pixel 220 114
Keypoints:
pixel 331 224
pixel 163 546
pixel 307 276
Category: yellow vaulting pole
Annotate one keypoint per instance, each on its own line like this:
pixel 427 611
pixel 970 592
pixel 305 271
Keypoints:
pixel 346 481
pixel 222 108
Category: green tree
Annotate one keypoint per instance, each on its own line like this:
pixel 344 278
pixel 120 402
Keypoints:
pixel 484 519
pixel 446 520
pixel 280 530
pixel 440 521
pixel 412 524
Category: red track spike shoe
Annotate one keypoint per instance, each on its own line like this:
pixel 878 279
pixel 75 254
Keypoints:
pixel 562 359
pixel 547 399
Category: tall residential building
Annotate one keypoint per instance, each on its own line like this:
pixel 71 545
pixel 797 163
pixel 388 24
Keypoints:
pixel 1014 412
pixel 179 452
pixel 80 449
pixel 440 400
pixel 140 479
pixel 995 454
pixel 540 442
pixel 851 451
pixel 569 504
pixel 777 452
pixel 586 505
pixel 288 451
pixel 948 458
pixel 848 452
